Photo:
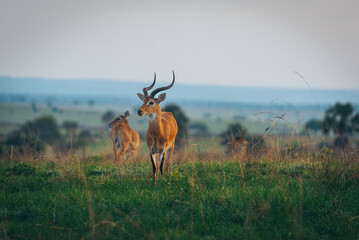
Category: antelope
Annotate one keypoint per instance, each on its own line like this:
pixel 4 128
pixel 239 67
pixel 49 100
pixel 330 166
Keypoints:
pixel 238 146
pixel 162 127
pixel 125 140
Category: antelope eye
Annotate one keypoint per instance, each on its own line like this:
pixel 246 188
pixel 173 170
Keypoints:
pixel 119 119
pixel 150 103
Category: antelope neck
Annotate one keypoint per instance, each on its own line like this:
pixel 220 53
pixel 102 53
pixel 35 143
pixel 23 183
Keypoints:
pixel 121 128
pixel 155 122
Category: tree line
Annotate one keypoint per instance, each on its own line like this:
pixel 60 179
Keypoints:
pixel 339 120
pixel 35 135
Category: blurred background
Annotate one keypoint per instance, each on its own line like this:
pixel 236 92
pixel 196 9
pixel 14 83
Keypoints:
pixel 254 68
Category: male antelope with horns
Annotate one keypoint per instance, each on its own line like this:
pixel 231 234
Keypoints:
pixel 162 127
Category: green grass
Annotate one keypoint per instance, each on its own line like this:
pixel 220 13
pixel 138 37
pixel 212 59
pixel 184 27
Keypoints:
pixel 291 190
pixel 257 199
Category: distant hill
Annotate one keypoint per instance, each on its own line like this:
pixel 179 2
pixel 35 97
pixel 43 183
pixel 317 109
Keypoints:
pixel 112 91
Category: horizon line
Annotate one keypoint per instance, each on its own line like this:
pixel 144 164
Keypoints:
pixel 190 84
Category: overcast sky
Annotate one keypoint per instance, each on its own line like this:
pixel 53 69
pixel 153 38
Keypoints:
pixel 242 43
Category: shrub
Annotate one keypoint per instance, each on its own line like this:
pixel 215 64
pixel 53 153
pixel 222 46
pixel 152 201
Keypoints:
pixel 70 127
pixel 182 122
pixel 107 117
pixel 34 134
pixel 198 129
pixel 21 169
pixel 255 143
pixel 233 130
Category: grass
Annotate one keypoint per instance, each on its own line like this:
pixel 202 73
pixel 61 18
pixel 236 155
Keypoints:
pixel 312 196
pixel 290 191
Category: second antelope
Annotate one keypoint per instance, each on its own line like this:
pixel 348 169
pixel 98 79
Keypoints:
pixel 238 146
pixel 162 128
pixel 125 140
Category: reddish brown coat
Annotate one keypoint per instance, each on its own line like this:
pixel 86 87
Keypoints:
pixel 125 139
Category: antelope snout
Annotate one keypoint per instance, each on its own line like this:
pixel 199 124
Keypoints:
pixel 140 112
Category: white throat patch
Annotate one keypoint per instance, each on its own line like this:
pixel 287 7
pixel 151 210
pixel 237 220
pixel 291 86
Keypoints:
pixel 152 117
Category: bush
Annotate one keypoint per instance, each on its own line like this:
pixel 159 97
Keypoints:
pixel 2 146
pixel 84 137
pixel 22 140
pixel 21 169
pixel 182 122
pixel 198 129
pixel 341 142
pixel 314 124
pixel 107 117
pixel 34 134
pixel 255 143
pixel 70 127
pixel 233 130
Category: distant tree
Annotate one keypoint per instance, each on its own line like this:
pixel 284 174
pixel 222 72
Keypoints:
pixel 2 146
pixel 34 134
pixel 314 125
pixel 107 117
pixel 199 128
pixel 355 123
pixel 70 127
pixel 238 117
pixel 341 141
pixel 46 128
pixel 207 115
pixel 84 137
pixel 233 130
pixel 49 102
pixel 337 119
pixel 21 140
pixel 91 102
pixel 256 143
pixel 182 122
pixel 340 119
pixel 33 107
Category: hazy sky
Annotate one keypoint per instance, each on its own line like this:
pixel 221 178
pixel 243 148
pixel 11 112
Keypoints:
pixel 242 43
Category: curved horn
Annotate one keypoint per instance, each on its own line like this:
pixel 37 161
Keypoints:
pixel 154 92
pixel 145 90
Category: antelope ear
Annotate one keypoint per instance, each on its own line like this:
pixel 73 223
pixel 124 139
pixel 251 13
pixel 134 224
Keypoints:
pixel 127 114
pixel 161 98
pixel 141 96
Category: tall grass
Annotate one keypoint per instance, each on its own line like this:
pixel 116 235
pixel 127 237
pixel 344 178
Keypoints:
pixel 287 191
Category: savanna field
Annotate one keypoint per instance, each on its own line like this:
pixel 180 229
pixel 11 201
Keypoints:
pixel 249 108
pixel 205 197
pixel 289 190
